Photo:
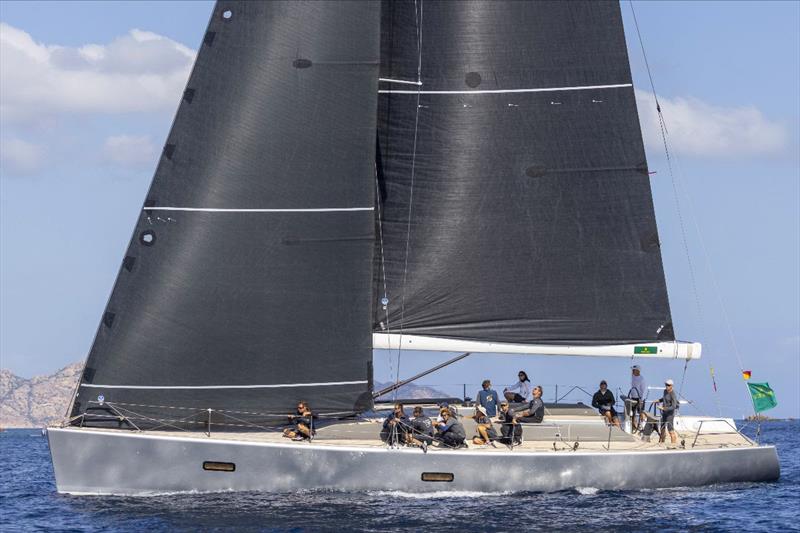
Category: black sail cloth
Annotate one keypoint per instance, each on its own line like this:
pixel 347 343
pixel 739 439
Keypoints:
pixel 253 295
pixel 522 212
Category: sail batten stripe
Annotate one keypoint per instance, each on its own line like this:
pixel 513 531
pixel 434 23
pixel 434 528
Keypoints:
pixel 204 387
pixel 510 91
pixel 281 210
pixel 406 82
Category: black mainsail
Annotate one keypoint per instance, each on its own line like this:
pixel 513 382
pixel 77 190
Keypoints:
pixel 246 284
pixel 515 202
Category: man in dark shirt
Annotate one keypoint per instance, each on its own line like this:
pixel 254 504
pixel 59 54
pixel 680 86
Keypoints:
pixel 302 423
pixel 603 401
pixel 510 431
pixel 395 427
pixel 535 411
pixel 421 429
pixel 451 432
pixel 668 404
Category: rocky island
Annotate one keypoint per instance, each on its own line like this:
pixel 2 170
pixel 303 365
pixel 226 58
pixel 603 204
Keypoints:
pixel 38 401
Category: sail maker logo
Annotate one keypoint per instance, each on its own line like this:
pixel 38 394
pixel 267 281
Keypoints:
pixel 645 350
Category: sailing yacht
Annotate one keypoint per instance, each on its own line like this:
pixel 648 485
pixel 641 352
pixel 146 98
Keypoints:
pixel 409 174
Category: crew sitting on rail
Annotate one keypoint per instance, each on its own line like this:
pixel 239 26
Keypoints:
pixel 603 400
pixel 396 426
pixel 486 432
pixel 523 386
pixel 302 423
pixel 535 412
pixel 510 430
pixel 451 432
pixel 421 433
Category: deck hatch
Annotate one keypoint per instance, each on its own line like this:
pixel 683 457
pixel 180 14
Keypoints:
pixel 437 476
pixel 217 466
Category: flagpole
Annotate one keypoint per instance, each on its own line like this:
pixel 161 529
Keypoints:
pixel 758 418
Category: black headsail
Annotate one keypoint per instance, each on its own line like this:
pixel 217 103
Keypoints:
pixel 246 285
pixel 515 202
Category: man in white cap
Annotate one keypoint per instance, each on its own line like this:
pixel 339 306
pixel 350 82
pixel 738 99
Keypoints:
pixel 668 404
pixel 637 397
pixel 483 424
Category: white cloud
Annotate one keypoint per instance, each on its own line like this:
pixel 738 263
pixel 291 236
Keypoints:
pixel 19 157
pixel 139 71
pixel 129 150
pixel 697 128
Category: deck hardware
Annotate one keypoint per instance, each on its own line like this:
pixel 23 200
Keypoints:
pixel 437 476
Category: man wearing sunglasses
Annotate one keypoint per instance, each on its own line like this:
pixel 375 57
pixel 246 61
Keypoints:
pixel 668 404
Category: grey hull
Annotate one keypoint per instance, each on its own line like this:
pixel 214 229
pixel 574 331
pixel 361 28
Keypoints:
pixel 96 462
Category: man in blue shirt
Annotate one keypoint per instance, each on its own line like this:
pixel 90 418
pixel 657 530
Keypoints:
pixel 395 427
pixel 487 398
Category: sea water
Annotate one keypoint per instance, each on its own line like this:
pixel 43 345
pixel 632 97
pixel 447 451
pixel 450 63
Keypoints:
pixel 29 502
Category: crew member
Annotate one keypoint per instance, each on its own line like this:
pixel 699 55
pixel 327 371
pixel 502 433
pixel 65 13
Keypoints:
pixel 396 426
pixel 603 400
pixel 302 423
pixel 520 391
pixel 487 398
pixel 451 432
pixel 668 404
pixel 510 430
pixel 421 429
pixel 637 397
pixel 486 432
pixel 535 411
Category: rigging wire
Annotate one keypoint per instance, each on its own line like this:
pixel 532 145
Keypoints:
pixel 418 13
pixel 664 138
pixel 385 298
pixel 675 186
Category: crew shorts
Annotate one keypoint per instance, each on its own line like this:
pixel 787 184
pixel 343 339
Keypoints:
pixel 668 420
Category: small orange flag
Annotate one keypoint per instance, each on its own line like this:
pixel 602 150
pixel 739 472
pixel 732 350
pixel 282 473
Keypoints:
pixel 746 374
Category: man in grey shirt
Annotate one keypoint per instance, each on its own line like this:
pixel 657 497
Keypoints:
pixel 668 404
pixel 535 411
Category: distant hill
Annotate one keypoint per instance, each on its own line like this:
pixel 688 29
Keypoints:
pixel 410 391
pixel 36 402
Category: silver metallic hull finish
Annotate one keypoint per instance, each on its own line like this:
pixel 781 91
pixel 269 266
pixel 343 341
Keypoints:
pixel 95 462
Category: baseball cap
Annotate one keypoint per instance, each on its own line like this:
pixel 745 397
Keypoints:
pixel 668 382
pixel 636 367
pixel 482 409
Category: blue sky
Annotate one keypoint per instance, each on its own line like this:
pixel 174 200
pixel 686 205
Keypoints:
pixel 88 91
